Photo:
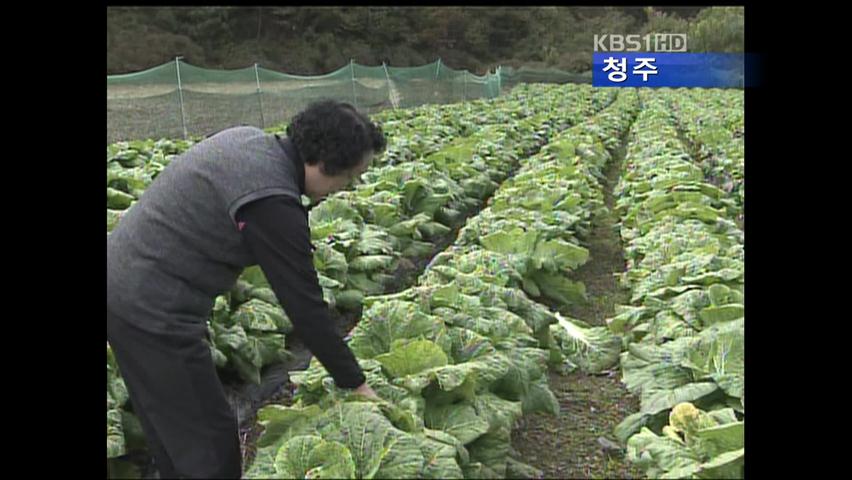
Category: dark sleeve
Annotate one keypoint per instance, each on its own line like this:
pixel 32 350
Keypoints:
pixel 276 231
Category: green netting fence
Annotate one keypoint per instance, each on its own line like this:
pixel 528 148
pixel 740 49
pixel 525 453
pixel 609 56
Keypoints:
pixel 509 77
pixel 179 100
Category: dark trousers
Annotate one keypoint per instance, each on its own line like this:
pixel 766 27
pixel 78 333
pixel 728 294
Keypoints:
pixel 177 396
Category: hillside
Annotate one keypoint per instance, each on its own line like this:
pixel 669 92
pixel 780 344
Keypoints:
pixel 315 40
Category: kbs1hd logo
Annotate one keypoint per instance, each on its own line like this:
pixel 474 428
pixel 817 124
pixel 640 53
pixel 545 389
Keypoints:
pixel 658 42
pixel 615 53
pixel 661 60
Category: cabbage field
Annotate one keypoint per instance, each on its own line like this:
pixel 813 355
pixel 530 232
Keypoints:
pixel 455 266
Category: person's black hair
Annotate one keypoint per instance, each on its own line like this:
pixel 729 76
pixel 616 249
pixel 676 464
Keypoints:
pixel 336 134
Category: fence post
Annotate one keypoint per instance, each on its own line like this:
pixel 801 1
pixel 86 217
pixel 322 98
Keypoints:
pixel 495 84
pixel 259 97
pixel 352 69
pixel 180 94
pixel 464 92
pixel 390 87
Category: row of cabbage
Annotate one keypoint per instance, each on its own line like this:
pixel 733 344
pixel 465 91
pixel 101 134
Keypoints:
pixel 533 234
pixel 568 173
pixel 685 323
pixel 361 236
pixel 461 356
pixel 713 124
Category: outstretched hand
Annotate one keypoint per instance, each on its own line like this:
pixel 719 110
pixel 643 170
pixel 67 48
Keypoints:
pixel 366 391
